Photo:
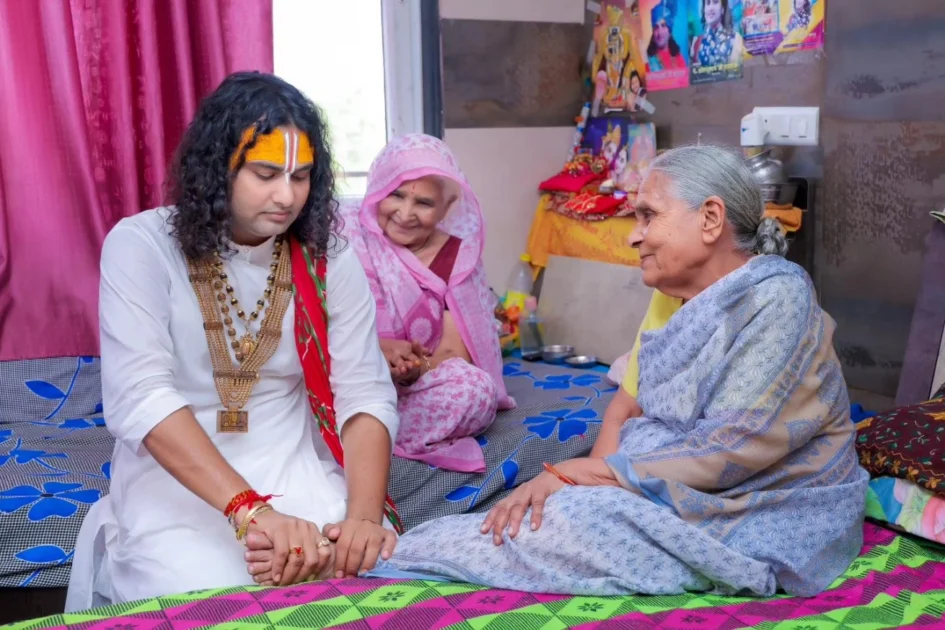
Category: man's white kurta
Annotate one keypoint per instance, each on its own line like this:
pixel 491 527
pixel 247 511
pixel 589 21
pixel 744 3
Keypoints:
pixel 151 536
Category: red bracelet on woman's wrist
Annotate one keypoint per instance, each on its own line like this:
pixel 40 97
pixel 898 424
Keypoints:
pixel 554 471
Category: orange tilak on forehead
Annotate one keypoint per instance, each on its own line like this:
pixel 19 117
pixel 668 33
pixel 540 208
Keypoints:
pixel 287 149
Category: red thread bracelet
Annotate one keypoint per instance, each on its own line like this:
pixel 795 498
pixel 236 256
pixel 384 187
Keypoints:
pixel 247 498
pixel 554 471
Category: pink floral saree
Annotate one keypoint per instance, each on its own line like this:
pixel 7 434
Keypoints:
pixel 445 408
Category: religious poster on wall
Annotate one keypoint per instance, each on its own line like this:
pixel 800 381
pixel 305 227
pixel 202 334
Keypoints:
pixel 627 147
pixel 780 26
pixel 618 67
pixel 665 43
pixel 716 47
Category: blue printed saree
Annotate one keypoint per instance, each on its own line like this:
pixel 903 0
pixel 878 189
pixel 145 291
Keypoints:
pixel 740 478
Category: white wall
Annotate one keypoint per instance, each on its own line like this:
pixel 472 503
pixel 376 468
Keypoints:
pixel 505 166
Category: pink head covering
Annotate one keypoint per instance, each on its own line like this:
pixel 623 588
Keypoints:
pixel 398 278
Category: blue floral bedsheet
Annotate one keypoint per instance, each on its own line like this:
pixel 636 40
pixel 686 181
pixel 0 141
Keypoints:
pixel 558 417
pixel 55 452
pixel 54 464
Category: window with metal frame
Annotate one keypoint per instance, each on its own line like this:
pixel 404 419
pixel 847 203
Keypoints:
pixel 366 65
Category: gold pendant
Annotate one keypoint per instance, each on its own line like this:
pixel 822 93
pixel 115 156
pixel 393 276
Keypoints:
pixel 232 421
pixel 247 345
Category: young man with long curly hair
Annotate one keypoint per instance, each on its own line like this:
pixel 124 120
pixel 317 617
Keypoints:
pixel 240 360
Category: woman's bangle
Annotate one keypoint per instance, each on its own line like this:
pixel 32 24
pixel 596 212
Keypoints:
pixel 554 471
pixel 253 513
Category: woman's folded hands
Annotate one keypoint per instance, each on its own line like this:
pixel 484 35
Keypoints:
pixel 405 358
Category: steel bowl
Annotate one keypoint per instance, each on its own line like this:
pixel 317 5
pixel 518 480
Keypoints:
pixel 582 361
pixel 556 354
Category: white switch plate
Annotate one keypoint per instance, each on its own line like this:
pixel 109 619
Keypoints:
pixel 790 126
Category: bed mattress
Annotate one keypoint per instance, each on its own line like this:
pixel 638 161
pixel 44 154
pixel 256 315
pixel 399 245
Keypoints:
pixel 55 452
pixel 894 583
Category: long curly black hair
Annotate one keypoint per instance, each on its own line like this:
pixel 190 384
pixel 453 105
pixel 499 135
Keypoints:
pixel 200 179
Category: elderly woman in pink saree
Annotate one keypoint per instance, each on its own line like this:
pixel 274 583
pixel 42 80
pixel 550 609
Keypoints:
pixel 419 235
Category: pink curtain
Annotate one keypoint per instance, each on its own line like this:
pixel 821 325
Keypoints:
pixel 94 96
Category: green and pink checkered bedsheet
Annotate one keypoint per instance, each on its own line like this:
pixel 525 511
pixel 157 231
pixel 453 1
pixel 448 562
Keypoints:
pixel 896 582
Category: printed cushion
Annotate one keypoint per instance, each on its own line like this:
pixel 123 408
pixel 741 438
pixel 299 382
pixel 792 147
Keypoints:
pixel 907 443
pixel 904 506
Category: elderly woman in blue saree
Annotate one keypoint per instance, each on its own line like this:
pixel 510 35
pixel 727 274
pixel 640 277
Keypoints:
pixel 738 477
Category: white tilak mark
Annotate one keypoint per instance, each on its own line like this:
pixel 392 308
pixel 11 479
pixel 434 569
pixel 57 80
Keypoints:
pixel 288 138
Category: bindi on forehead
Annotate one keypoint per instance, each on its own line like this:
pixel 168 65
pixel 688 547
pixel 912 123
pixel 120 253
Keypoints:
pixel 422 188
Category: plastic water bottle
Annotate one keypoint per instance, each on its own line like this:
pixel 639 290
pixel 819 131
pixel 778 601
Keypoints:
pixel 530 337
pixel 520 283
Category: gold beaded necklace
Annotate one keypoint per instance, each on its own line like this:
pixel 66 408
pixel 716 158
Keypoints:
pixel 234 383
pixel 244 346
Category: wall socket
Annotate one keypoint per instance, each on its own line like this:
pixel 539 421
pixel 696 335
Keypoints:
pixel 781 126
